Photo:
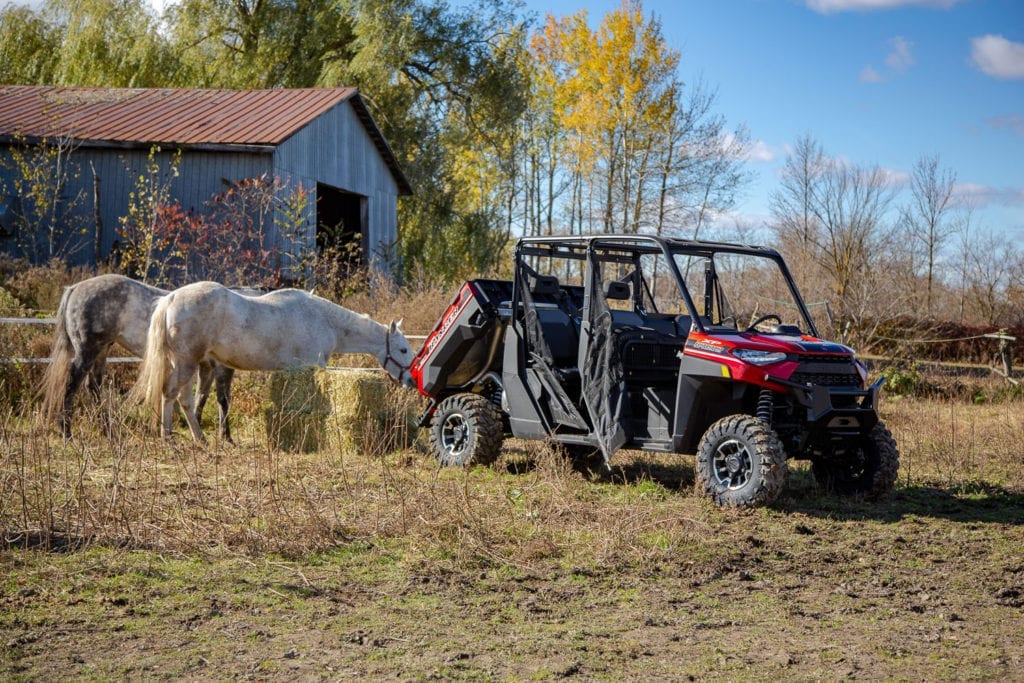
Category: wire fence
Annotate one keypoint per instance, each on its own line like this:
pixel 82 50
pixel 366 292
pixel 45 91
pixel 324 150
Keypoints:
pixel 134 359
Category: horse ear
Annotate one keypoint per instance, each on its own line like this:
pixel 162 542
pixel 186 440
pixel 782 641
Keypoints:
pixel 394 326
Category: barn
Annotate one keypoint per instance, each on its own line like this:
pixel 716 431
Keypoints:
pixel 100 141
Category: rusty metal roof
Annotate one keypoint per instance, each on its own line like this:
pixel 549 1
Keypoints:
pixel 177 116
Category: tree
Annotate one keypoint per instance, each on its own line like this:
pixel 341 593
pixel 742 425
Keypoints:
pixel 928 216
pixel 792 205
pixel 831 216
pixel 638 151
pixel 794 219
pixel 45 222
pixel 112 43
pixel 991 268
pixel 259 43
pixel 148 229
pixel 444 81
pixel 28 46
pixel 704 172
pixel 850 203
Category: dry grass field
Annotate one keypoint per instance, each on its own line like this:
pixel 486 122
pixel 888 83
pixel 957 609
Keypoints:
pixel 128 557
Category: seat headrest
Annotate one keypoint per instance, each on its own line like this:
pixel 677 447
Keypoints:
pixel 545 284
pixel 614 289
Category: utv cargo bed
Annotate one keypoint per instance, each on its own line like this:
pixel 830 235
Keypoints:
pixel 462 346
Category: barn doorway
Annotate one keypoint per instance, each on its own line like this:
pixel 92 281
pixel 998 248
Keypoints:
pixel 341 223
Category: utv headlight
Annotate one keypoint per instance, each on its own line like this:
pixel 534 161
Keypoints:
pixel 757 357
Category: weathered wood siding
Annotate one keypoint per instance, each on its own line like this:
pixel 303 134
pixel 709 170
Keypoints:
pixel 335 149
pixel 201 176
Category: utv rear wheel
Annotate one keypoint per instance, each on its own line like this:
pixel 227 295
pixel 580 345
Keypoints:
pixel 870 469
pixel 466 428
pixel 741 462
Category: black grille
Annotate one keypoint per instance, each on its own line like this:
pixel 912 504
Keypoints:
pixel 826 358
pixel 828 371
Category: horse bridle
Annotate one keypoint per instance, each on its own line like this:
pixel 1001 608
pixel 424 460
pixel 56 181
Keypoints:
pixel 388 358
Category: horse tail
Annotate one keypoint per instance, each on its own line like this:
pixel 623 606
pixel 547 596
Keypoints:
pixel 53 387
pixel 156 362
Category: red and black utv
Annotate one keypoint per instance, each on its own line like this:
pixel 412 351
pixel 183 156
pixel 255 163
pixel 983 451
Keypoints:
pixel 616 341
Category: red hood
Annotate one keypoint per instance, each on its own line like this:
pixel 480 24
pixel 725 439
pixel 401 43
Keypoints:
pixel 720 348
pixel 791 344
pixel 796 344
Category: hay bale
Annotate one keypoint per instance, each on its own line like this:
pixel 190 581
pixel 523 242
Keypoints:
pixel 353 411
pixel 295 418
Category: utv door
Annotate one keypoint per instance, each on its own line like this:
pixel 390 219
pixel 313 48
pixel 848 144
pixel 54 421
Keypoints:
pixel 602 388
pixel 542 382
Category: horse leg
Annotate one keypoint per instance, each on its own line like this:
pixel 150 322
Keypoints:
pixel 176 391
pixel 179 389
pixel 224 375
pixel 96 376
pixel 96 388
pixel 76 373
pixel 188 408
pixel 167 415
pixel 207 373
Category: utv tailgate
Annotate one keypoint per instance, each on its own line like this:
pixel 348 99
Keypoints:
pixel 460 348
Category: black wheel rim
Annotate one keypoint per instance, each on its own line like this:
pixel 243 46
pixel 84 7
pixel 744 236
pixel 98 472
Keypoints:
pixel 855 468
pixel 454 434
pixel 732 464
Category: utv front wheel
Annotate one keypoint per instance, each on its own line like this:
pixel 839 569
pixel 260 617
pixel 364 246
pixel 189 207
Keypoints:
pixel 868 469
pixel 466 428
pixel 741 462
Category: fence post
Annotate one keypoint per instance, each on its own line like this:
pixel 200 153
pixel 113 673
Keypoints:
pixel 1005 355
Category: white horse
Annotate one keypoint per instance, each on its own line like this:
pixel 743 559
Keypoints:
pixel 288 328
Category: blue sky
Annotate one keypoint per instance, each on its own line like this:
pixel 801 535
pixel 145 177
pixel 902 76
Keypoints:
pixel 881 82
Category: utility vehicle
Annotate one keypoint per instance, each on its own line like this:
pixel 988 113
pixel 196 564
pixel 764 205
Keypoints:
pixel 630 341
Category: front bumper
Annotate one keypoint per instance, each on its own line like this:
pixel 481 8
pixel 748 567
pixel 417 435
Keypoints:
pixel 833 412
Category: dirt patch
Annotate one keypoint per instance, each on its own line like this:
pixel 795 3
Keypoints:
pixel 799 594
pixel 242 563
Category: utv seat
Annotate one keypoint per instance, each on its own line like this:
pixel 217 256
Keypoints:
pixel 560 331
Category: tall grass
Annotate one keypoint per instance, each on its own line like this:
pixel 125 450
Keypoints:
pixel 959 444
pixel 117 483
pixel 129 488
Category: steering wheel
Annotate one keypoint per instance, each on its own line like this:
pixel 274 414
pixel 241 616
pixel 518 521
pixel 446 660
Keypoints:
pixel 764 318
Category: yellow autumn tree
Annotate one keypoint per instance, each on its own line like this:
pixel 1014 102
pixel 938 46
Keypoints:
pixel 636 151
pixel 613 91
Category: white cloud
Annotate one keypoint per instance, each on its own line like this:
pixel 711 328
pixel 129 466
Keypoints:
pixel 977 195
pixel 1015 122
pixel 832 6
pixel 900 58
pixel 998 57
pixel 895 177
pixel 761 152
pixel 869 75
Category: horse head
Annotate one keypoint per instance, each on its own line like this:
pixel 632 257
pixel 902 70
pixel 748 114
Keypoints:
pixel 398 355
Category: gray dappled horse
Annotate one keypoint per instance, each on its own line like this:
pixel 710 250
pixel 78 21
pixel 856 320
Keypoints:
pixel 95 313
